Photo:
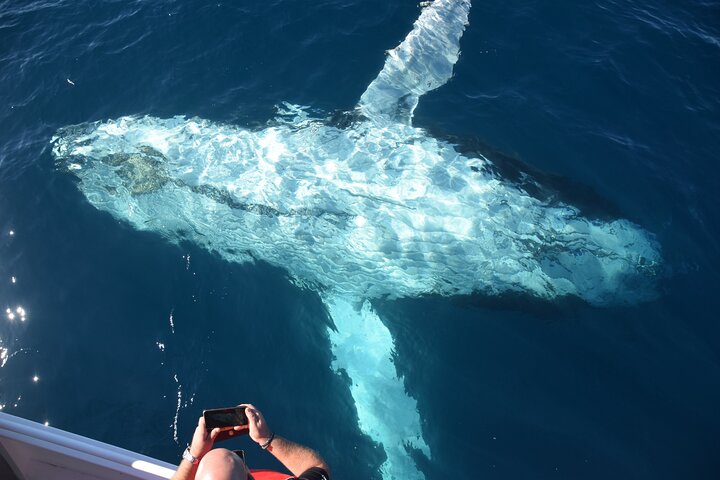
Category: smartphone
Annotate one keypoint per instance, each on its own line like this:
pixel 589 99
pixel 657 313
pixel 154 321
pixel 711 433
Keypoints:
pixel 226 419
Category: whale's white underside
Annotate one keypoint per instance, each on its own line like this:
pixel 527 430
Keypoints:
pixel 365 211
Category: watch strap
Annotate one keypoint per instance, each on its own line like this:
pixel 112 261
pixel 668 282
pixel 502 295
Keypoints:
pixel 190 457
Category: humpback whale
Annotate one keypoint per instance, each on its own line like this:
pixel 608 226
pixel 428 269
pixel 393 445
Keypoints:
pixel 376 208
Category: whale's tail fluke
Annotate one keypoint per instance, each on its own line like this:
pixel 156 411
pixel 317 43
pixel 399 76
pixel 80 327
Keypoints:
pixel 422 62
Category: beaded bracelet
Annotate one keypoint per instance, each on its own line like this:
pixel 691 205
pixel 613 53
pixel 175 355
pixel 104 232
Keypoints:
pixel 265 445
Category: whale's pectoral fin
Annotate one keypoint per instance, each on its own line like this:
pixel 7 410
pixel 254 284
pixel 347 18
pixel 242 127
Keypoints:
pixel 363 349
pixel 422 62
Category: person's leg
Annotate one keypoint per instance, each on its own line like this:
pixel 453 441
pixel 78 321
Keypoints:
pixel 221 464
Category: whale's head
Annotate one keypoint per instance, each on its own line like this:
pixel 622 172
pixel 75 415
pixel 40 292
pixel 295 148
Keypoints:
pixel 116 166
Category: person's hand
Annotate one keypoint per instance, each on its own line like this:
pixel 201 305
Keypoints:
pixel 202 441
pixel 259 430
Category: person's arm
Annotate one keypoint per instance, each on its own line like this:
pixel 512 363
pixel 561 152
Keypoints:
pixel 296 458
pixel 202 442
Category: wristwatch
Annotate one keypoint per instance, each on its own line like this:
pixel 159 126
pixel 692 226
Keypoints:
pixel 190 457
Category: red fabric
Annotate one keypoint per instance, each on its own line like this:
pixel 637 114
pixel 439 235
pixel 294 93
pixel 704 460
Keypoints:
pixel 269 475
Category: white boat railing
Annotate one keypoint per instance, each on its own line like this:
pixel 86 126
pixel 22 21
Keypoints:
pixel 35 451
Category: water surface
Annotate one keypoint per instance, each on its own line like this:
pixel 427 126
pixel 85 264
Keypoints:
pixel 126 338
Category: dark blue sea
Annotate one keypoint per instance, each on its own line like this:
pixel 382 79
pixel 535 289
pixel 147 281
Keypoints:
pixel 122 336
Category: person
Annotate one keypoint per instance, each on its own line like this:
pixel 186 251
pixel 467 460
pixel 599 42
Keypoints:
pixel 202 462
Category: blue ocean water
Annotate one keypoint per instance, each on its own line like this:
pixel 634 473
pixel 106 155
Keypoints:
pixel 125 338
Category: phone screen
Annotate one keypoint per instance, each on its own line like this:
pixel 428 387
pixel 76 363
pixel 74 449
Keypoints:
pixel 225 417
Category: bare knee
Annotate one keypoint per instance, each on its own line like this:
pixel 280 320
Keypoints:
pixel 221 464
